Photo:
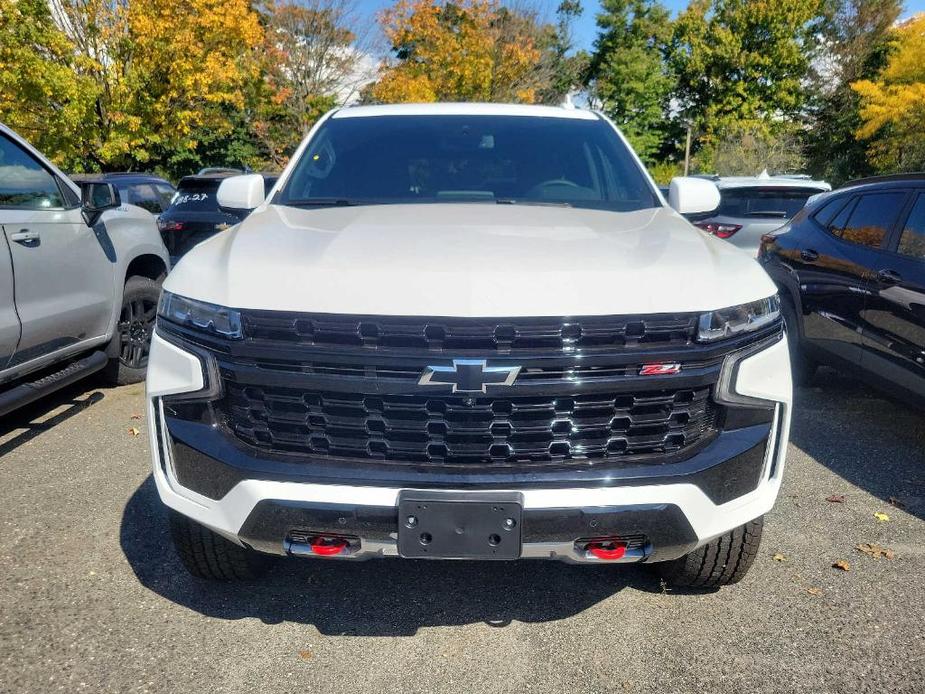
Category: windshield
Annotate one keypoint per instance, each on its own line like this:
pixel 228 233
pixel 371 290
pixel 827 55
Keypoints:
pixel 479 159
pixel 779 203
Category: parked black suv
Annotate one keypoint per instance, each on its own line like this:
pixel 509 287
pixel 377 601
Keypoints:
pixel 851 269
pixel 195 215
pixel 147 191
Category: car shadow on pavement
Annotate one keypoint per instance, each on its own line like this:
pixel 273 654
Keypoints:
pixel 379 597
pixel 30 418
pixel 872 442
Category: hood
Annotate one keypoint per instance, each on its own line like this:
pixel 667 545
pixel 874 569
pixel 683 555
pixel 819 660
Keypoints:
pixel 468 260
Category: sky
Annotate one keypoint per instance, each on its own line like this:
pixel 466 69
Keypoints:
pixel 585 29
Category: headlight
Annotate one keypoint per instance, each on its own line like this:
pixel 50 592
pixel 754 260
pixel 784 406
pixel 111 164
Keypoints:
pixel 190 313
pixel 728 322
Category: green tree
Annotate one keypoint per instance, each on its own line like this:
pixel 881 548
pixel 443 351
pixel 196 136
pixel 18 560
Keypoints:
pixel 565 65
pixel 856 41
pixel 744 63
pixel 628 76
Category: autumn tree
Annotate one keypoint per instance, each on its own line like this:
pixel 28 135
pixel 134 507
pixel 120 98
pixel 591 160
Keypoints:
pixel 856 38
pixel 743 63
pixel 893 106
pixel 114 85
pixel 628 76
pixel 314 58
pixel 44 91
pixel 468 50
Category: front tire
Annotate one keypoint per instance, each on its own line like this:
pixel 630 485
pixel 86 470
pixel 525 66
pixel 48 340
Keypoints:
pixel 206 554
pixel 132 340
pixel 722 562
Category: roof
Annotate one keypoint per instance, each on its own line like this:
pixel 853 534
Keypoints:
pixel 770 182
pixel 465 109
pixel 116 175
pixel 891 178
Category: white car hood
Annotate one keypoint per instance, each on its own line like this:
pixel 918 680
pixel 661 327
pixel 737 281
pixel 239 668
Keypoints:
pixel 468 260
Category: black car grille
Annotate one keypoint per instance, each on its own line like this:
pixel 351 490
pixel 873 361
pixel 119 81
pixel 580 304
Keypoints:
pixel 463 430
pixel 306 386
pixel 485 336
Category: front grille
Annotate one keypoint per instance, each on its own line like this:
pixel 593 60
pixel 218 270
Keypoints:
pixel 462 430
pixel 310 386
pixel 485 336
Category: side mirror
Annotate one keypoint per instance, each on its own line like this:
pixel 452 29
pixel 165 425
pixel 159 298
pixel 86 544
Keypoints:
pixel 95 198
pixel 241 192
pixel 688 195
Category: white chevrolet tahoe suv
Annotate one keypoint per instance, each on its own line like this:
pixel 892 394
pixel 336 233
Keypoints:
pixel 468 332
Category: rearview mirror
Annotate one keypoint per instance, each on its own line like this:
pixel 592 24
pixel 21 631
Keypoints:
pixel 689 195
pixel 241 192
pixel 95 198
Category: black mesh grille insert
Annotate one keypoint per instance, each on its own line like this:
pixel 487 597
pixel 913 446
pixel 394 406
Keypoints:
pixel 482 335
pixel 460 430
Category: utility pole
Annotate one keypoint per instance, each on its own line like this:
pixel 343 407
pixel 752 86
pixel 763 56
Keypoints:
pixel 687 151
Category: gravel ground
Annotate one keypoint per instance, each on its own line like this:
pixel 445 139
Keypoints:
pixel 92 597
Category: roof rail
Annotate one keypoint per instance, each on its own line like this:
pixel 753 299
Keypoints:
pixel 914 176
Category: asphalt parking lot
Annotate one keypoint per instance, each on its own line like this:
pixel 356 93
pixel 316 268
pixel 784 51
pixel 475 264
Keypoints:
pixel 92 597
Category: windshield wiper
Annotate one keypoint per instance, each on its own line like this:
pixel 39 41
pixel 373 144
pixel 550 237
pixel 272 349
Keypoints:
pixel 542 203
pixel 767 213
pixel 329 202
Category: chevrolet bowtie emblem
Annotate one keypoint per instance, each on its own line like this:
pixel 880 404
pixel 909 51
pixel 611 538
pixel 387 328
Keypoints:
pixel 469 375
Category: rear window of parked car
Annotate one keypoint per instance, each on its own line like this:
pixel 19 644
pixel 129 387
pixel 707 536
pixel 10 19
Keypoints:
pixel 780 203
pixel 197 196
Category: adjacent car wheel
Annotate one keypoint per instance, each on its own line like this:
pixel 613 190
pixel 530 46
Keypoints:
pixel 132 340
pixel 206 554
pixel 721 562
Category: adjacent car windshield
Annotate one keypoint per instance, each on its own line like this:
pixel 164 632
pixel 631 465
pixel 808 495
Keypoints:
pixel 776 202
pixel 479 159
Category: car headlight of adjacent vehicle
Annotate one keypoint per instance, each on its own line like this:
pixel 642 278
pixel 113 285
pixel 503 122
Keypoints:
pixel 199 315
pixel 735 320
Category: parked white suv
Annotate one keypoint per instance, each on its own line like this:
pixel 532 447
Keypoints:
pixel 468 331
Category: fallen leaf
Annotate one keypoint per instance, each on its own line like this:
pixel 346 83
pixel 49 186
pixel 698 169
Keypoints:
pixel 842 564
pixel 779 557
pixel 875 551
pixel 881 516
pixel 893 501
pixel 814 591
pixel 136 416
pixel 133 431
pixel 836 498
pixel 305 655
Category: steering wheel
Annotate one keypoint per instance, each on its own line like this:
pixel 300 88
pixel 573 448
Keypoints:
pixel 556 182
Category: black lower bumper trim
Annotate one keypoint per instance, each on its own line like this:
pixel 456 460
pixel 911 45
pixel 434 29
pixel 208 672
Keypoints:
pixel 211 463
pixel 665 526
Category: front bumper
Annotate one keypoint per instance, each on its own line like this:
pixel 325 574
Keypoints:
pixel 735 478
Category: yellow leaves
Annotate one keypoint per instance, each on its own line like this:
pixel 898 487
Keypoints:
pixel 471 50
pixel 875 550
pixel 881 516
pixel 779 557
pixel 893 108
pixel 842 565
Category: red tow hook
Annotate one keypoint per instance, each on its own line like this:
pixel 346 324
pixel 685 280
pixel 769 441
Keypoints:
pixel 327 546
pixel 607 551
